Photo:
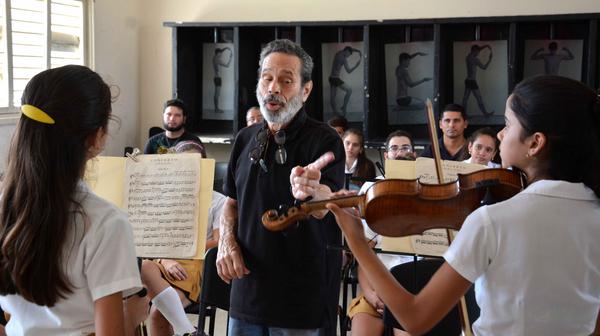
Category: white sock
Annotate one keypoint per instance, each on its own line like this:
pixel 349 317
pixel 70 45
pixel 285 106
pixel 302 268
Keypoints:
pixel 169 304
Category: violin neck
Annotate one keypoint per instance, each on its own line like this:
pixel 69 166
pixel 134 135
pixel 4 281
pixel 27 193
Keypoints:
pixel 342 202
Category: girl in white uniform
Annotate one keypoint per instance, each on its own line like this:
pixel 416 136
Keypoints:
pixel 66 255
pixel 483 147
pixel 534 258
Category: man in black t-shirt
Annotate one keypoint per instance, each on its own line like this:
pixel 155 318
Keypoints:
pixel 174 116
pixel 282 282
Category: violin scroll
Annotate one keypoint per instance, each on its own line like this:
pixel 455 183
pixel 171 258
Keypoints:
pixel 281 219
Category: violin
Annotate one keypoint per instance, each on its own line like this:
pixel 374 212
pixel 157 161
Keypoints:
pixel 396 207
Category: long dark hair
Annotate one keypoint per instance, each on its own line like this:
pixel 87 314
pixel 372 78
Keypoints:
pixel 568 113
pixel 45 164
pixel 364 166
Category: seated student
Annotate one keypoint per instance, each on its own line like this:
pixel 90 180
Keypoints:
pixel 453 145
pixel 339 124
pixel 357 163
pixel 520 253
pixel 366 310
pixel 67 256
pixel 399 145
pixel 174 119
pixel 483 146
pixel 173 283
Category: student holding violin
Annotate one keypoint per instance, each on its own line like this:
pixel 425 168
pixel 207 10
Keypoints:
pixel 534 257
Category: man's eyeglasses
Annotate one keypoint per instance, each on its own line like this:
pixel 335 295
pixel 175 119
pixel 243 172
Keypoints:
pixel 262 139
pixel 401 149
pixel 256 154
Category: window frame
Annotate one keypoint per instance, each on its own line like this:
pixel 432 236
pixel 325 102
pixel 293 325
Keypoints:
pixel 9 114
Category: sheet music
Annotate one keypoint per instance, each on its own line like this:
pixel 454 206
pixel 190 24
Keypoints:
pixel 161 199
pixel 431 242
pixel 425 170
pixel 400 169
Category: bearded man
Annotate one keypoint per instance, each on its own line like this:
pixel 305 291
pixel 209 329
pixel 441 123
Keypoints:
pixel 453 145
pixel 174 116
pixel 283 283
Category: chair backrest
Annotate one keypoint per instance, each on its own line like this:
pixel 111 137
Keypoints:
pixel 215 292
pixel 414 276
pixel 154 130
pixel 220 174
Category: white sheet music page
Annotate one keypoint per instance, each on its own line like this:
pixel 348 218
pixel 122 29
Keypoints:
pixel 432 242
pixel 161 199
pixel 425 170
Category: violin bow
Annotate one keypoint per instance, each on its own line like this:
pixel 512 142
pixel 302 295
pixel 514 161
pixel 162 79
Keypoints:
pixel 435 145
pixel 435 150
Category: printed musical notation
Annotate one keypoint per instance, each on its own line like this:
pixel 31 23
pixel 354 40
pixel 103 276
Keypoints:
pixel 431 242
pixel 425 170
pixel 161 199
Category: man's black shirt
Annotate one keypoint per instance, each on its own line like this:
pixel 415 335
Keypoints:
pixel 461 155
pixel 294 278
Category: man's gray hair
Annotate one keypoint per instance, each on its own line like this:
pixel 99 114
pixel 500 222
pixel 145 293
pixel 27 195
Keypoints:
pixel 291 48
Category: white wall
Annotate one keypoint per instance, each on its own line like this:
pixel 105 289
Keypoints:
pixel 116 59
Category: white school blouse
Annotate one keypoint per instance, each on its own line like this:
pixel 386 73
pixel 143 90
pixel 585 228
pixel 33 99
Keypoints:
pixel 490 164
pixel 535 261
pixel 100 261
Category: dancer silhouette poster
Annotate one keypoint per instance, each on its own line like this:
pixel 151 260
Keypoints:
pixel 217 81
pixel 481 80
pixel 553 57
pixel 409 81
pixel 343 78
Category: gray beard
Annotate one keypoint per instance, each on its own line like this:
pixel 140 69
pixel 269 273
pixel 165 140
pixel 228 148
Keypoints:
pixel 285 113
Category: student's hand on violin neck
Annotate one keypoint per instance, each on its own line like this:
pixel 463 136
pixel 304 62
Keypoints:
pixel 349 222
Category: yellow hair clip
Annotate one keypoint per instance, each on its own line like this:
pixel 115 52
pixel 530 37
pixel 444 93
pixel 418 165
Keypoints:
pixel 36 114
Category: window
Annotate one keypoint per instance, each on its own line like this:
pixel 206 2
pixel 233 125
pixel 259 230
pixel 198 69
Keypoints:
pixel 36 35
